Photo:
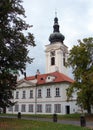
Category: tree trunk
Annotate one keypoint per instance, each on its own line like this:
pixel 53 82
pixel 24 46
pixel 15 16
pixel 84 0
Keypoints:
pixel 4 109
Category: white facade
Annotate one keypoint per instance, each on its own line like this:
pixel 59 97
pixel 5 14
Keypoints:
pixel 43 99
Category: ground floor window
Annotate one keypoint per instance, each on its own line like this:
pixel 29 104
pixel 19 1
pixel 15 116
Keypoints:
pixel 16 108
pixel 23 108
pixel 57 108
pixel 48 108
pixel 39 107
pixel 30 107
pixel 10 108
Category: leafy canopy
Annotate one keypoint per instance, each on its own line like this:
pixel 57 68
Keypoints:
pixel 13 46
pixel 81 61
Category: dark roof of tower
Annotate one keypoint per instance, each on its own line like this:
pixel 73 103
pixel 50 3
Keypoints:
pixel 56 36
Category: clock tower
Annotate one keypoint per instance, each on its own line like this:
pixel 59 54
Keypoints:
pixel 56 51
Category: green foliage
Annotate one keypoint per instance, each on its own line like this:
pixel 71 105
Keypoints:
pixel 81 61
pixel 13 47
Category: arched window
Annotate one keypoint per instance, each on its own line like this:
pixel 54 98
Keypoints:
pixel 64 59
pixel 52 60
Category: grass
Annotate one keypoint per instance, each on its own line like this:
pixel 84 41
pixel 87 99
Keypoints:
pixel 17 124
pixel 75 116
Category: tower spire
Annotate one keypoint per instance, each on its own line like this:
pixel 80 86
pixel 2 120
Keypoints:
pixel 56 36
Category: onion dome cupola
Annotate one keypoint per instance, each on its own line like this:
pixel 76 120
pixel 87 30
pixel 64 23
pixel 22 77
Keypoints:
pixel 56 36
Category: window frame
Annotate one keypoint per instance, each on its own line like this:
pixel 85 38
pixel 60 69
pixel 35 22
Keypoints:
pixel 48 93
pixel 39 108
pixel 57 92
pixel 17 95
pixel 23 108
pixel 24 94
pixel 30 108
pixel 57 108
pixel 39 93
pixel 48 108
pixel 16 107
pixel 31 94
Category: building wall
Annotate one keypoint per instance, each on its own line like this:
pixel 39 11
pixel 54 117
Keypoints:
pixel 43 100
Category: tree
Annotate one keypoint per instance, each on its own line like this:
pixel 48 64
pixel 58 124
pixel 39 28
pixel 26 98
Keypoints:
pixel 13 47
pixel 81 61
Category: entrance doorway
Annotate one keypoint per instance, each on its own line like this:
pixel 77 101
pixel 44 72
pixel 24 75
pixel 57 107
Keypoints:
pixel 67 109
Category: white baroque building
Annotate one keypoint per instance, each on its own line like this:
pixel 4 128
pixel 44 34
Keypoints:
pixel 46 93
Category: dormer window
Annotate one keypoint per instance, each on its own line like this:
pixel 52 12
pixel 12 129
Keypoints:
pixel 48 77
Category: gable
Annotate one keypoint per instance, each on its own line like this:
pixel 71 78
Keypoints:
pixel 24 84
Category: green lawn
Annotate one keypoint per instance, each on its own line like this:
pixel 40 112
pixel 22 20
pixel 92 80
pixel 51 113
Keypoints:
pixel 17 124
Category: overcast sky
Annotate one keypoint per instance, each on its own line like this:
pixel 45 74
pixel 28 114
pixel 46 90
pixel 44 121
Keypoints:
pixel 75 20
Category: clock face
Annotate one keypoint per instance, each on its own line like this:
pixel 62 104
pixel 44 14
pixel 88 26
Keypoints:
pixel 52 53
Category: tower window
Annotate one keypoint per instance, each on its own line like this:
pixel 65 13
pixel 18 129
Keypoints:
pixel 64 59
pixel 52 53
pixel 52 60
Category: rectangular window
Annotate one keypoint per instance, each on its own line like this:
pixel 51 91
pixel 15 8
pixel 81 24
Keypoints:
pixel 48 92
pixel 17 95
pixel 31 93
pixel 48 108
pixel 30 108
pixel 39 108
pixel 10 108
pixel 57 108
pixel 57 92
pixel 23 108
pixel 16 108
pixel 39 93
pixel 24 95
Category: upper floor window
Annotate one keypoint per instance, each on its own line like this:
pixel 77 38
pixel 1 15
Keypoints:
pixel 24 94
pixel 48 92
pixel 39 93
pixel 17 95
pixel 57 92
pixel 31 93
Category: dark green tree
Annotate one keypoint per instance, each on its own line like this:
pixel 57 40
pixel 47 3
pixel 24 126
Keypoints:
pixel 81 61
pixel 13 47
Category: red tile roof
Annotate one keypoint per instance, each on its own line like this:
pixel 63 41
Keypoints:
pixel 59 77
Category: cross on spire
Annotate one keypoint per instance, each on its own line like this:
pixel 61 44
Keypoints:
pixel 55 13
